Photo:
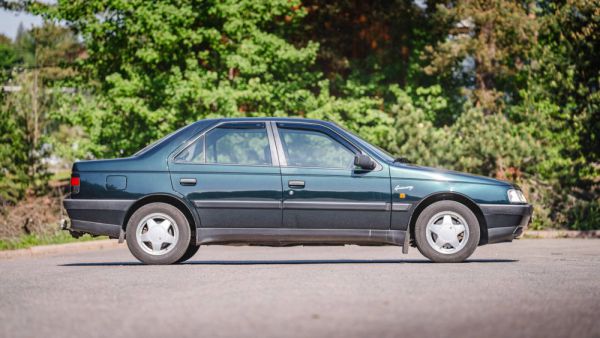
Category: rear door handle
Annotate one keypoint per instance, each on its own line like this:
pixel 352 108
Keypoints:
pixel 187 181
pixel 296 184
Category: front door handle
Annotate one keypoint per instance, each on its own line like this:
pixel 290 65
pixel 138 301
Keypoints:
pixel 187 181
pixel 296 184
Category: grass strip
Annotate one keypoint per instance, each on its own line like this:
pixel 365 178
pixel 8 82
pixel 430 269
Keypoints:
pixel 27 241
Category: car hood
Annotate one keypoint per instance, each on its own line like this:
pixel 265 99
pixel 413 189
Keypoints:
pixel 409 171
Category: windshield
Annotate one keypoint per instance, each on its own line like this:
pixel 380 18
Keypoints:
pixel 380 152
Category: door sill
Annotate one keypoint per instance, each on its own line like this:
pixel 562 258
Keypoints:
pixel 288 237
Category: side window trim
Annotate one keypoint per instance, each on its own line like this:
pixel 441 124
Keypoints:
pixel 275 159
pixel 315 128
pixel 270 137
pixel 278 145
pixel 189 150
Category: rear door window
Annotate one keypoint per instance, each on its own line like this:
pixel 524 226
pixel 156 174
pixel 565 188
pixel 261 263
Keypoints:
pixel 232 143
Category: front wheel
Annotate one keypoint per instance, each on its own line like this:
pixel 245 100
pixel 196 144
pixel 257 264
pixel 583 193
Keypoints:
pixel 189 253
pixel 158 233
pixel 447 232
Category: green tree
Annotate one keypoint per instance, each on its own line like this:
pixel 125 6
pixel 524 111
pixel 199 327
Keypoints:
pixel 28 109
pixel 417 139
pixel 163 65
pixel 560 106
pixel 24 118
pixel 9 57
pixel 567 74
pixel 488 44
pixel 50 48
pixel 372 43
pixel 13 157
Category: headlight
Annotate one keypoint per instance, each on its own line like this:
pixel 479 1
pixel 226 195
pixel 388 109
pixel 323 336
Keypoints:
pixel 516 196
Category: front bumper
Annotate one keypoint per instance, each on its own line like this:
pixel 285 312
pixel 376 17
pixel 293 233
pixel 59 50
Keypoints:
pixel 506 221
pixel 97 217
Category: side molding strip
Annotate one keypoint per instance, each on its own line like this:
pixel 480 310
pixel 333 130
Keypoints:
pixel 237 204
pixel 323 205
pixel 373 206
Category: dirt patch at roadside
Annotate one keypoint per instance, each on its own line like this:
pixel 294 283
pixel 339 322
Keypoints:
pixel 34 215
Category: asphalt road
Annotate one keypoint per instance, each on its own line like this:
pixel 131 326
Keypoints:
pixel 528 288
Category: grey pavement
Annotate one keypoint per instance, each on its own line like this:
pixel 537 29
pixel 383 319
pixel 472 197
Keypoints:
pixel 528 288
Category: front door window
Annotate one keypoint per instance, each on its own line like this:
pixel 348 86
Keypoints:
pixel 311 148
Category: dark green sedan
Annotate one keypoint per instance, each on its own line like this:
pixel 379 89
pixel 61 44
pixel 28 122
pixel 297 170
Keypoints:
pixel 280 182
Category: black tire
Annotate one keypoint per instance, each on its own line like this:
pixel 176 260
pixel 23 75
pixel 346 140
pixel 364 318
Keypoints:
pixel 180 246
pixel 189 253
pixel 435 209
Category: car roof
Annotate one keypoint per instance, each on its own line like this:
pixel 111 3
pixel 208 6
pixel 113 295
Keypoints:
pixel 267 118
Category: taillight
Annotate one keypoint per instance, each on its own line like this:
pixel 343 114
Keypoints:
pixel 75 182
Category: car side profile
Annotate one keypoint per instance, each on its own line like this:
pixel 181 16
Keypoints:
pixel 284 181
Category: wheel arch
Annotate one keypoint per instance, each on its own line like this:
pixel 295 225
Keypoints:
pixel 173 200
pixel 449 196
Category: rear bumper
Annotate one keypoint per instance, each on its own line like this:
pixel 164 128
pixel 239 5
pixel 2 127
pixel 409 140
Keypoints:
pixel 506 221
pixel 97 217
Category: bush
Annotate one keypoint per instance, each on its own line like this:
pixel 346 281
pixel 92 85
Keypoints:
pixel 584 215
pixel 31 216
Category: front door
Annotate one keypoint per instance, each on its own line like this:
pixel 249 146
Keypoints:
pixel 321 187
pixel 230 173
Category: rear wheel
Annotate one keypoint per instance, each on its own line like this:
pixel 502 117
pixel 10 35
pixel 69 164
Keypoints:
pixel 158 233
pixel 447 232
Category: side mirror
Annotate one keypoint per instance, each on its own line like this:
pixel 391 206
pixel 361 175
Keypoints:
pixel 364 162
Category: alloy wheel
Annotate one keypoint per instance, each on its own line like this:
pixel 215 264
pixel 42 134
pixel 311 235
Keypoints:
pixel 157 234
pixel 447 232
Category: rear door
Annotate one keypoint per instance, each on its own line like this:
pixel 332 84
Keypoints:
pixel 321 187
pixel 230 173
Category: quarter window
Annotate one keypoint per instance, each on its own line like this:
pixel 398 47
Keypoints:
pixel 194 153
pixel 310 148
pixel 242 144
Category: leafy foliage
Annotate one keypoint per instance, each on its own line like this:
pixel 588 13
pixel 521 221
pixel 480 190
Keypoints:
pixel 163 65
pixel 40 62
pixel 13 158
pixel 25 120
pixel 8 57
pixel 488 44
